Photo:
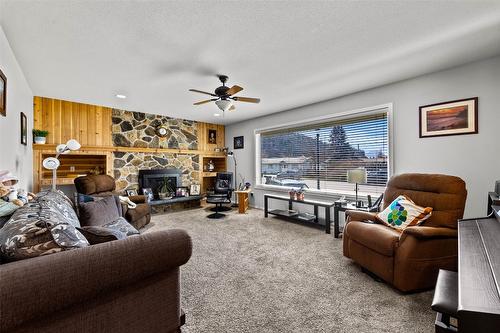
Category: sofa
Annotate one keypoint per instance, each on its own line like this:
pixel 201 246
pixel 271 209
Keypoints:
pixel 66 285
pixel 104 185
pixel 410 260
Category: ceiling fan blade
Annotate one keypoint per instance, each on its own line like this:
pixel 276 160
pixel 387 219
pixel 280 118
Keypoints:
pixel 202 92
pixel 234 89
pixel 247 99
pixel 205 101
pixel 232 108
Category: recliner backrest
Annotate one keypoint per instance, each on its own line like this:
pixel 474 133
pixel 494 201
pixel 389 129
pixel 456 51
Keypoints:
pixel 95 184
pixel 445 194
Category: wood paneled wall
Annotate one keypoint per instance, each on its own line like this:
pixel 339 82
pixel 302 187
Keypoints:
pixel 89 124
pixel 203 144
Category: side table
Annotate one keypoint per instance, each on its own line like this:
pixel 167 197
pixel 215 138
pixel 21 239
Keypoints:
pixel 342 208
pixel 243 200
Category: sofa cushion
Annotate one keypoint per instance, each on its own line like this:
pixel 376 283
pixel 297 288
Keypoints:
pixel 403 213
pixel 99 212
pixel 43 226
pixel 376 237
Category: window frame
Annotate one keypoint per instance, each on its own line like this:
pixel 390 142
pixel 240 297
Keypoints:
pixel 382 108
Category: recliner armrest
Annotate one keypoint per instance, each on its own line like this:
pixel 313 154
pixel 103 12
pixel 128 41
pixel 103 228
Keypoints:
pixel 138 199
pixel 423 232
pixel 53 282
pixel 357 215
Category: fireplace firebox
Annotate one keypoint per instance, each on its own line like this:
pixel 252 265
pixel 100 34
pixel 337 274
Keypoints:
pixel 155 179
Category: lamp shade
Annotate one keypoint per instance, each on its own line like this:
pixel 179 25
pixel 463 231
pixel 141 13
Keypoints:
pixel 224 104
pixel 73 144
pixel 356 176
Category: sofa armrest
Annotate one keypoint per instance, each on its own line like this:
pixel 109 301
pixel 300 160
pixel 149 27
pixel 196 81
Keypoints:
pixel 357 215
pixel 422 232
pixel 34 288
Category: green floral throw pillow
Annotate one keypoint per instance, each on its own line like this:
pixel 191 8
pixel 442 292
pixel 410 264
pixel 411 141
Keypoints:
pixel 403 212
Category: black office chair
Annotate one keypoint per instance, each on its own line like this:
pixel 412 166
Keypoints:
pixel 221 194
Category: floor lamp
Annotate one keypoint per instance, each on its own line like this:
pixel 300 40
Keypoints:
pixel 230 153
pixel 52 163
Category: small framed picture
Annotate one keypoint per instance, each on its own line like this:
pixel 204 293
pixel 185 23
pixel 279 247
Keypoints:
pixel 148 192
pixel 3 94
pixel 131 192
pixel 181 191
pixel 212 136
pixel 24 129
pixel 239 142
pixel 449 118
pixel 195 189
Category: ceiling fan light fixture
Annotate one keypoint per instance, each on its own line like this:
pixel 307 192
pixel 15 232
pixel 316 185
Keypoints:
pixel 224 104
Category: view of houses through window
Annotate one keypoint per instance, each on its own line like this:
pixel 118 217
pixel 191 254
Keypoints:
pixel 318 156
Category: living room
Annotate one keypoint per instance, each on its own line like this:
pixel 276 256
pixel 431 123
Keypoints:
pixel 247 166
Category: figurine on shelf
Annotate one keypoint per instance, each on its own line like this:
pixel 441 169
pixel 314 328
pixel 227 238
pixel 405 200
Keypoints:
pixel 299 195
pixel 293 194
pixel 211 166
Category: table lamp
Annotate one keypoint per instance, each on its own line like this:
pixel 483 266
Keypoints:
pixel 356 176
pixel 52 163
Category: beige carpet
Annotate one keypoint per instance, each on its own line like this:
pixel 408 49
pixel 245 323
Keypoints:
pixel 251 274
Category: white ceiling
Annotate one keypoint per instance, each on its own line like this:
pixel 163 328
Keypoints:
pixel 287 53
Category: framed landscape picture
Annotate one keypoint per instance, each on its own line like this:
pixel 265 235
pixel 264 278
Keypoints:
pixel 3 94
pixel 449 118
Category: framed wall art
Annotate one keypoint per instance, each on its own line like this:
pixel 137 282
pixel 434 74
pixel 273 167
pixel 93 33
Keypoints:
pixel 238 142
pixel 24 129
pixel 449 118
pixel 3 94
pixel 212 136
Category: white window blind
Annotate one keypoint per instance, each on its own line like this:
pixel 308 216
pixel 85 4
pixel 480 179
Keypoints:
pixel 319 155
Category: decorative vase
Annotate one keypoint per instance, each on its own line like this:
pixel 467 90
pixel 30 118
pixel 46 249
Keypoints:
pixel 211 166
pixel 40 140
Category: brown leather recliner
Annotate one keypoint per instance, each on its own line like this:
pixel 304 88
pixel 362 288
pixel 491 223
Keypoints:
pixel 410 260
pixel 104 185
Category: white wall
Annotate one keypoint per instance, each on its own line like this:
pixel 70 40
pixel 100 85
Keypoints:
pixel 14 156
pixel 475 158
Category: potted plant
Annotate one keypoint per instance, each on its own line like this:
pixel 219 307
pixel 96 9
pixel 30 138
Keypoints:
pixel 40 136
pixel 166 190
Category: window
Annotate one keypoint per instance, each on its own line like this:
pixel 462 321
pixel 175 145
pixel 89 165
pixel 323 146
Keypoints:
pixel 317 155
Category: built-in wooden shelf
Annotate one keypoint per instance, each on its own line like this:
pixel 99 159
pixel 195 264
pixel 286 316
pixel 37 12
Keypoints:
pixel 208 177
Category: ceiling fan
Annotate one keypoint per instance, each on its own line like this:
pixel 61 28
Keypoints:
pixel 224 96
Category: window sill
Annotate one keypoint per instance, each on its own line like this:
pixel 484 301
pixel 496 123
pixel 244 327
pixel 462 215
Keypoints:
pixel 350 195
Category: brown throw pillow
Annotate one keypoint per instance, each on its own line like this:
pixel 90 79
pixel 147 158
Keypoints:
pixel 98 213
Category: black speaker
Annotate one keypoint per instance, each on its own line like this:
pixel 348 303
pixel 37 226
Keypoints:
pixel 497 187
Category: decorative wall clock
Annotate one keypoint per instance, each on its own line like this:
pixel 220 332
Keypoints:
pixel 161 131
